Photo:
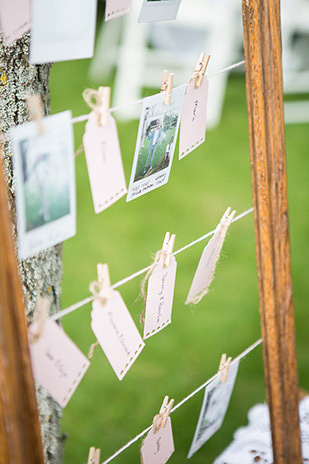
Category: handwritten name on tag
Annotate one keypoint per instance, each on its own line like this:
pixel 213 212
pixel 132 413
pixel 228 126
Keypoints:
pixel 116 8
pixel 116 332
pixel 158 447
pixel 207 264
pixel 193 118
pixel 160 294
pixel 57 364
pixel 103 156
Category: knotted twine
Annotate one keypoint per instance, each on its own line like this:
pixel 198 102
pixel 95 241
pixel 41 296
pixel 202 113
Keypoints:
pixel 36 328
pixel 100 293
pixel 220 233
pixel 144 282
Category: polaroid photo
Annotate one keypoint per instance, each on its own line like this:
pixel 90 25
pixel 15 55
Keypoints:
pixel 44 167
pixel 62 31
pixel 14 20
pixel 216 401
pixel 158 10
pixel 156 141
pixel 116 8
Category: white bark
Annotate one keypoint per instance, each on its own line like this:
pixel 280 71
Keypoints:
pixel 42 274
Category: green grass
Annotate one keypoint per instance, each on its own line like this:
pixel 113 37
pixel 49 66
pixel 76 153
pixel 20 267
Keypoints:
pixel 107 413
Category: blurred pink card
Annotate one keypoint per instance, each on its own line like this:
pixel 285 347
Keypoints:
pixel 158 447
pixel 207 264
pixel 103 156
pixel 116 8
pixel 160 295
pixel 57 364
pixel 14 19
pixel 193 118
pixel 116 332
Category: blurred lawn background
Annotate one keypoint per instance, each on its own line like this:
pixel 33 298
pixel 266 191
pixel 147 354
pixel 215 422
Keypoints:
pixel 107 413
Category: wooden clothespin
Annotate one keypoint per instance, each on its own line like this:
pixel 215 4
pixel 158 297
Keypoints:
pixel 94 456
pixel 200 69
pixel 102 288
pixel 37 326
pixel 167 86
pixel 104 104
pixel 224 367
pixel 160 419
pixel 35 108
pixel 167 248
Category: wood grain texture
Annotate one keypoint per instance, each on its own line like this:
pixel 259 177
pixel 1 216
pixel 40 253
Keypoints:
pixel 262 41
pixel 20 439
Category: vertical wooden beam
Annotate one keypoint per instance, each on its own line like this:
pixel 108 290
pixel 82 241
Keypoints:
pixel 262 42
pixel 20 439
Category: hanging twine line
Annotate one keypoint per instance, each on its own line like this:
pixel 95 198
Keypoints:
pixel 182 402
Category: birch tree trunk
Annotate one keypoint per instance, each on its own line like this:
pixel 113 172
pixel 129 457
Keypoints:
pixel 41 274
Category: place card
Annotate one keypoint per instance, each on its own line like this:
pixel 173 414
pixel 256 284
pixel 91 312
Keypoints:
pixel 57 364
pixel 116 8
pixel 160 295
pixel 14 19
pixel 193 118
pixel 104 163
pixel 158 447
pixel 116 332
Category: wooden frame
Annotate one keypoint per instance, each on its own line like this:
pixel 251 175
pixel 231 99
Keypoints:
pixel 19 425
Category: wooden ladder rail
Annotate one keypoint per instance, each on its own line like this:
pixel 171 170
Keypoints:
pixel 263 49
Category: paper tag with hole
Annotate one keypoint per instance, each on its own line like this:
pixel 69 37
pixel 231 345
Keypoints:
pixel 57 363
pixel 104 162
pixel 158 447
pixel 116 332
pixel 193 118
pixel 207 264
pixel 116 8
pixel 160 295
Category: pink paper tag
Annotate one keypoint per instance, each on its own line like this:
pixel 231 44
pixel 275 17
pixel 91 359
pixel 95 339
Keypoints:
pixel 116 332
pixel 14 19
pixel 116 8
pixel 193 118
pixel 160 297
pixel 207 264
pixel 57 364
pixel 158 447
pixel 103 156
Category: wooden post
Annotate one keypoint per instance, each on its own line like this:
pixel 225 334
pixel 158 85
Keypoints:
pixel 262 41
pixel 20 439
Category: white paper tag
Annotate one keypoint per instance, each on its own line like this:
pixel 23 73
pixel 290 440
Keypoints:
pixel 156 141
pixel 160 295
pixel 104 162
pixel 207 264
pixel 216 401
pixel 14 19
pixel 116 332
pixel 193 118
pixel 116 8
pixel 45 183
pixel 57 364
pixel 62 30
pixel 158 447
pixel 158 10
